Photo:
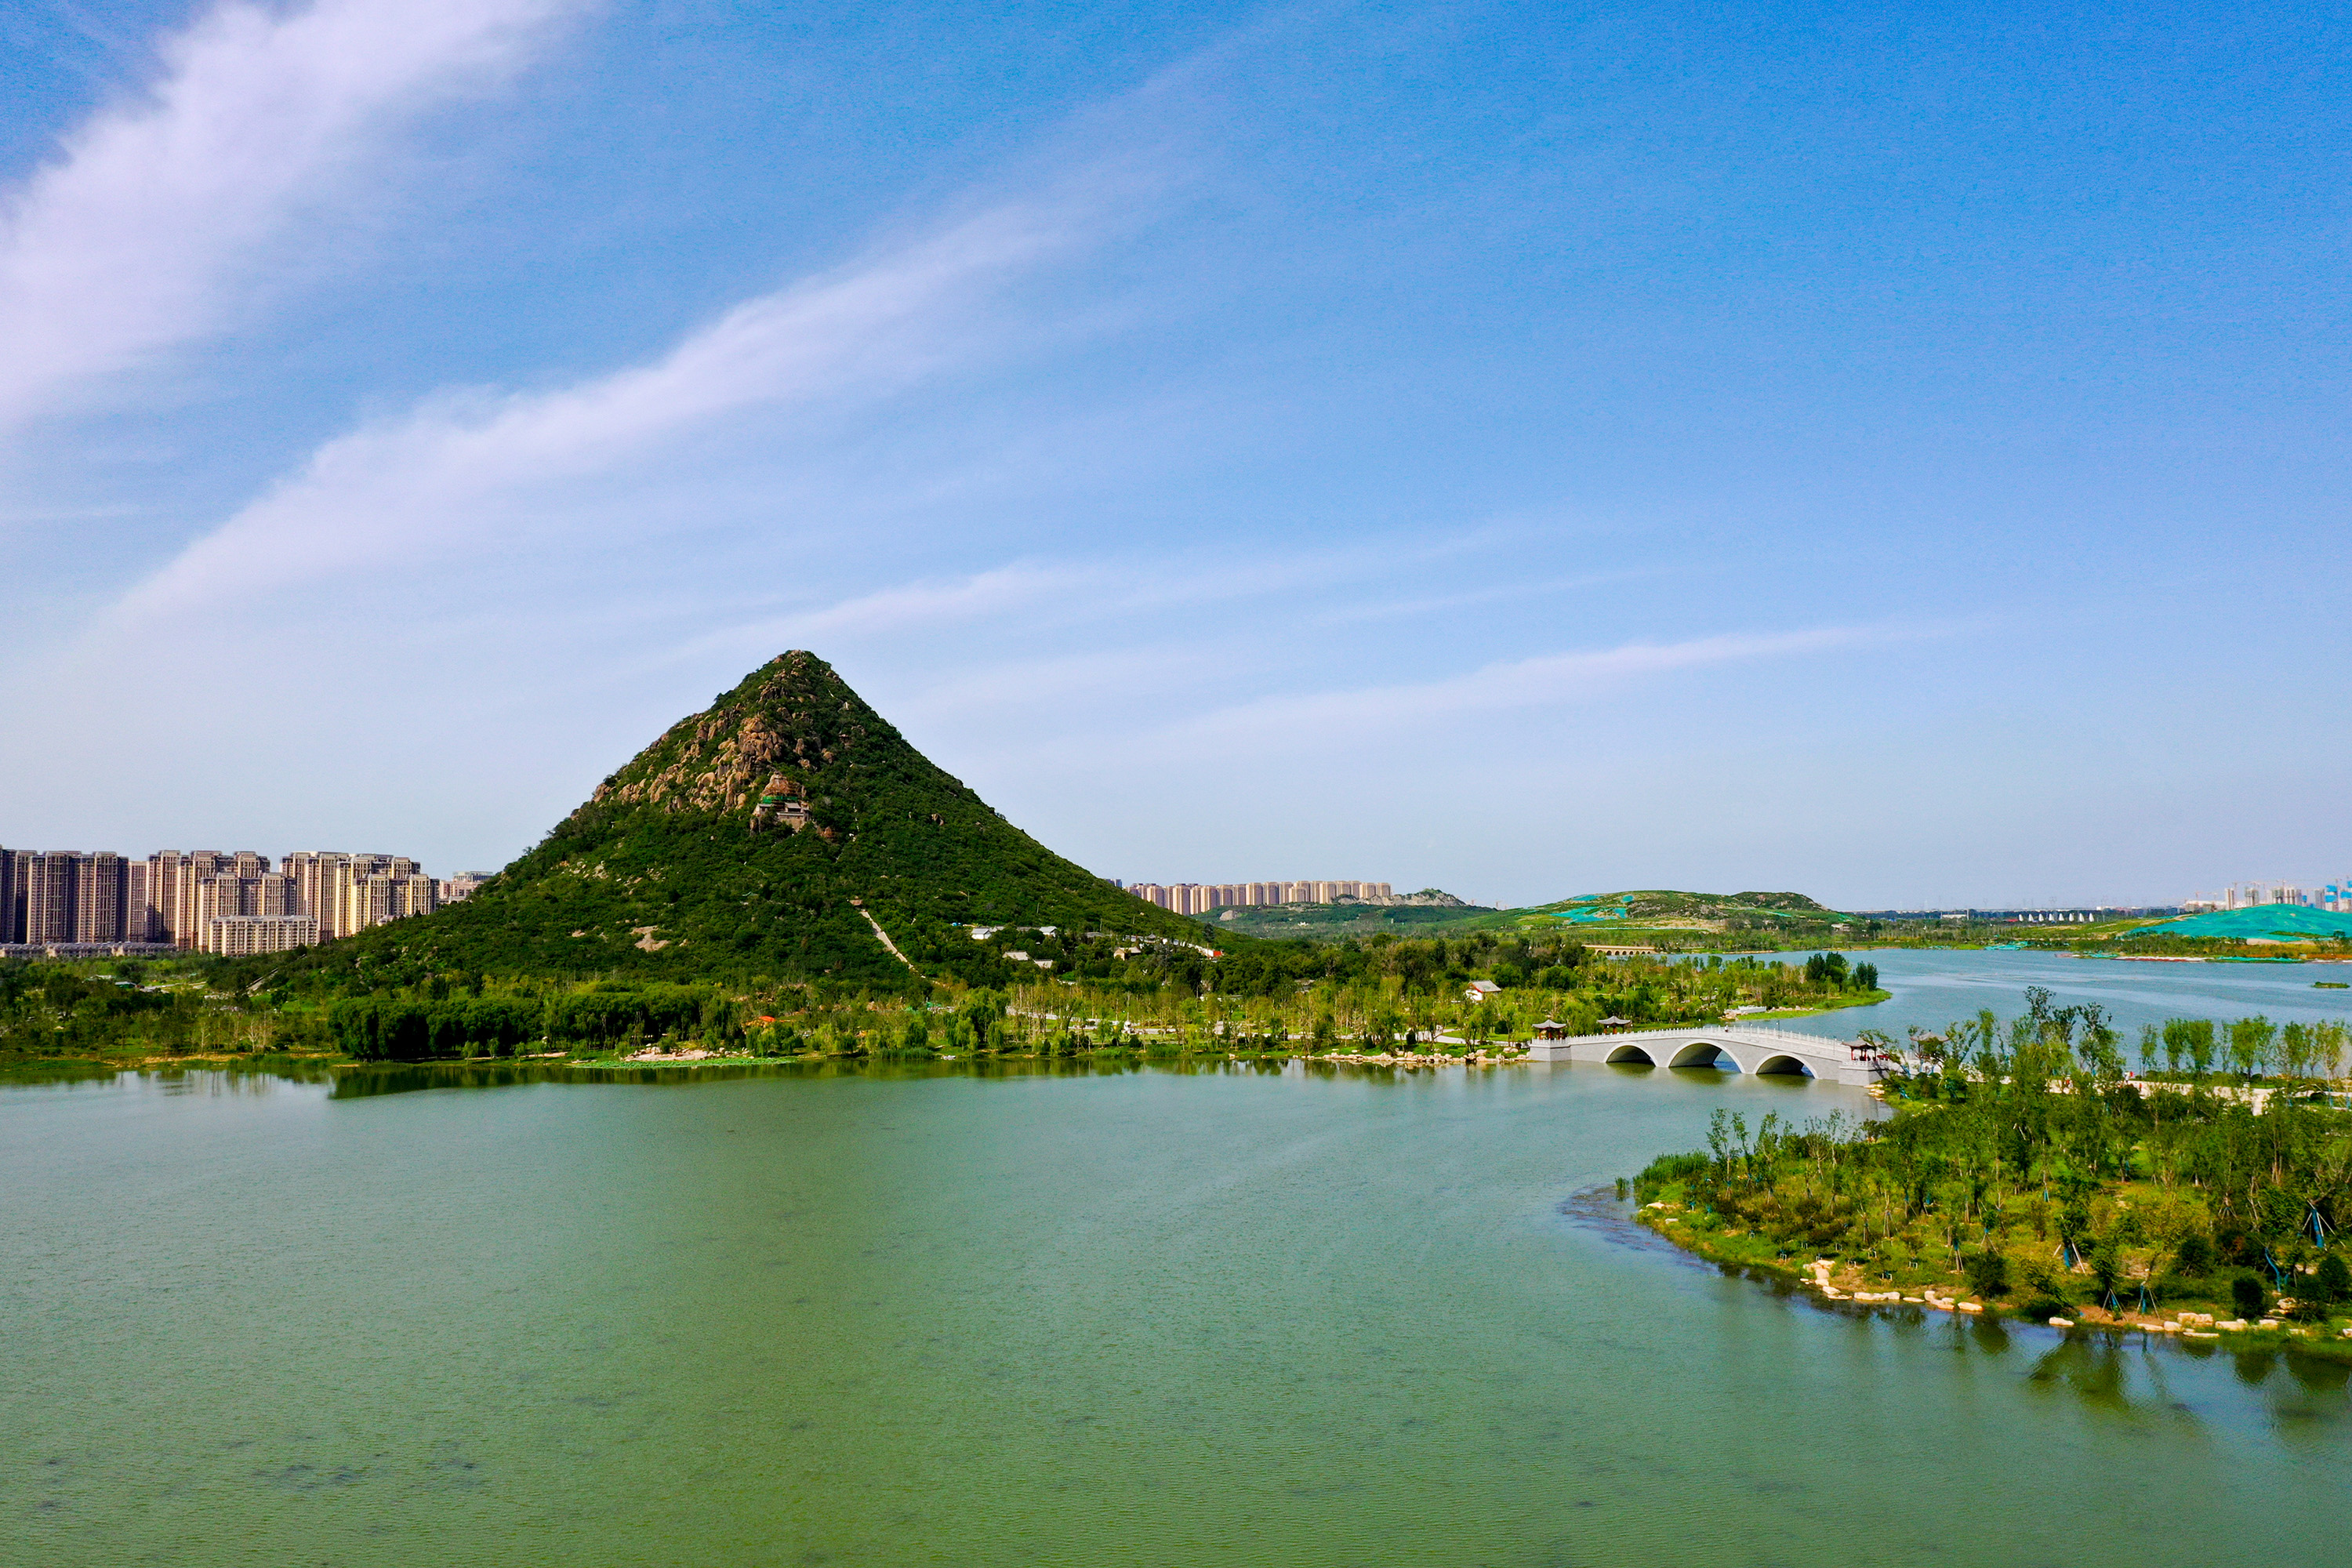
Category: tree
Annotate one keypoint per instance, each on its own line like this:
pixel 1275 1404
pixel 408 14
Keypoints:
pixel 2073 1224
pixel 1988 1272
pixel 2327 1040
pixel 2106 1271
pixel 2198 1036
pixel 2294 1050
pixel 2250 1044
pixel 2334 1280
pixel 2099 1049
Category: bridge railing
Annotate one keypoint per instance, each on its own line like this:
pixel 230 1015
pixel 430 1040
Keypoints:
pixel 1799 1034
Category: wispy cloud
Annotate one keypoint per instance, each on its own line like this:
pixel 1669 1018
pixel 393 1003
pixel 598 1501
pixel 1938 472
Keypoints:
pixel 147 230
pixel 470 471
pixel 981 595
pixel 1546 680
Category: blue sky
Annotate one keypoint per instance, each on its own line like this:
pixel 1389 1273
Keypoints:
pixel 1891 453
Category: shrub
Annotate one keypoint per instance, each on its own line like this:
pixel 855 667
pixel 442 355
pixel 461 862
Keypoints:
pixel 2334 1280
pixel 1668 1168
pixel 2246 1295
pixel 2045 1290
pixel 2195 1257
pixel 1988 1273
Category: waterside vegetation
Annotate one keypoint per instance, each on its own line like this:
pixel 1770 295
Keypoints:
pixel 1041 992
pixel 2022 1170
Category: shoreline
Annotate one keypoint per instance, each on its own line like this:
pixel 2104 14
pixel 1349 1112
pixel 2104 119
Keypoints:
pixel 1500 1051
pixel 1815 1281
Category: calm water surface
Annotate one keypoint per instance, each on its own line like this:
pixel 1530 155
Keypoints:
pixel 1931 988
pixel 1148 1317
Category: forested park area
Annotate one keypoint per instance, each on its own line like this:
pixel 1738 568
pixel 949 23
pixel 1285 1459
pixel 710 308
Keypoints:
pixel 2025 1167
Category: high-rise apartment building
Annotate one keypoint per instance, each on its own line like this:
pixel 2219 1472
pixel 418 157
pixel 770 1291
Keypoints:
pixel 140 922
pixel 49 888
pixel 102 886
pixel 205 897
pixel 178 877
pixel 62 897
pixel 12 898
pixel 239 936
pixel 1200 898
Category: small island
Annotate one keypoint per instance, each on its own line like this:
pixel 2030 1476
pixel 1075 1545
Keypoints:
pixel 2023 1170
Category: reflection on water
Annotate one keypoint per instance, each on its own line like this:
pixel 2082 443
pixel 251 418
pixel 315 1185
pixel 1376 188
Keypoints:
pixel 2119 1371
pixel 363 1080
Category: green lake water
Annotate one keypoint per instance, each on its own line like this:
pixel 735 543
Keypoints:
pixel 1227 1315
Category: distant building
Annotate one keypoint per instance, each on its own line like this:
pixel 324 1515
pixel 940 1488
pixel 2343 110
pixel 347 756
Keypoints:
pixel 12 900
pixel 102 903
pixel 240 936
pixel 1200 898
pixel 1479 990
pixel 50 885
pixel 2335 897
pixel 456 890
pixel 783 804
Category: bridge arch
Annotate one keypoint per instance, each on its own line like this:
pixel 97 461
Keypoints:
pixel 1783 1063
pixel 1702 1054
pixel 1632 1056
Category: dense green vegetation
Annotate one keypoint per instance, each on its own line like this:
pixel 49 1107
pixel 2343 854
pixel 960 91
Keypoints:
pixel 123 1009
pixel 1080 990
pixel 2020 1164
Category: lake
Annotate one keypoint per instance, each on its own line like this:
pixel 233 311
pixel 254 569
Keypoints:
pixel 920 1315
pixel 1931 988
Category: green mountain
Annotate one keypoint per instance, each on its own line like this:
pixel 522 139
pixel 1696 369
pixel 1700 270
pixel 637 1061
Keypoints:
pixel 783 833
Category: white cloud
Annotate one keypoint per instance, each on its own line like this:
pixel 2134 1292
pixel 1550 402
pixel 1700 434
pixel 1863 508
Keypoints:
pixel 1548 681
pixel 147 230
pixel 472 472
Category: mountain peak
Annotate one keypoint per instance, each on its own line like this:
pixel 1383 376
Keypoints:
pixel 783 727
pixel 783 832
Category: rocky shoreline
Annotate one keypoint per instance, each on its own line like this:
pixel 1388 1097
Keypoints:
pixel 1829 1280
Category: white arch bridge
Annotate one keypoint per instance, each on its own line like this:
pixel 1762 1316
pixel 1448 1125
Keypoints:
pixel 1749 1048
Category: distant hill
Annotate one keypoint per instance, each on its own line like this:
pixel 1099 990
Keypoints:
pixel 1752 918
pixel 1665 909
pixel 2263 923
pixel 755 839
pixel 1425 913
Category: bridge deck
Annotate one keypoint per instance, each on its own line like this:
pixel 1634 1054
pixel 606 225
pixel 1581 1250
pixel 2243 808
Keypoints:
pixel 1750 1048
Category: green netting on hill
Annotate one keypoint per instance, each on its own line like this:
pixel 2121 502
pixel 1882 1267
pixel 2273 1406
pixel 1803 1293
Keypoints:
pixel 1594 911
pixel 2263 920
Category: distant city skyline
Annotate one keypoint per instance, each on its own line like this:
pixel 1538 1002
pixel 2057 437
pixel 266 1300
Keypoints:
pixel 1883 455
pixel 1200 898
pixel 208 900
